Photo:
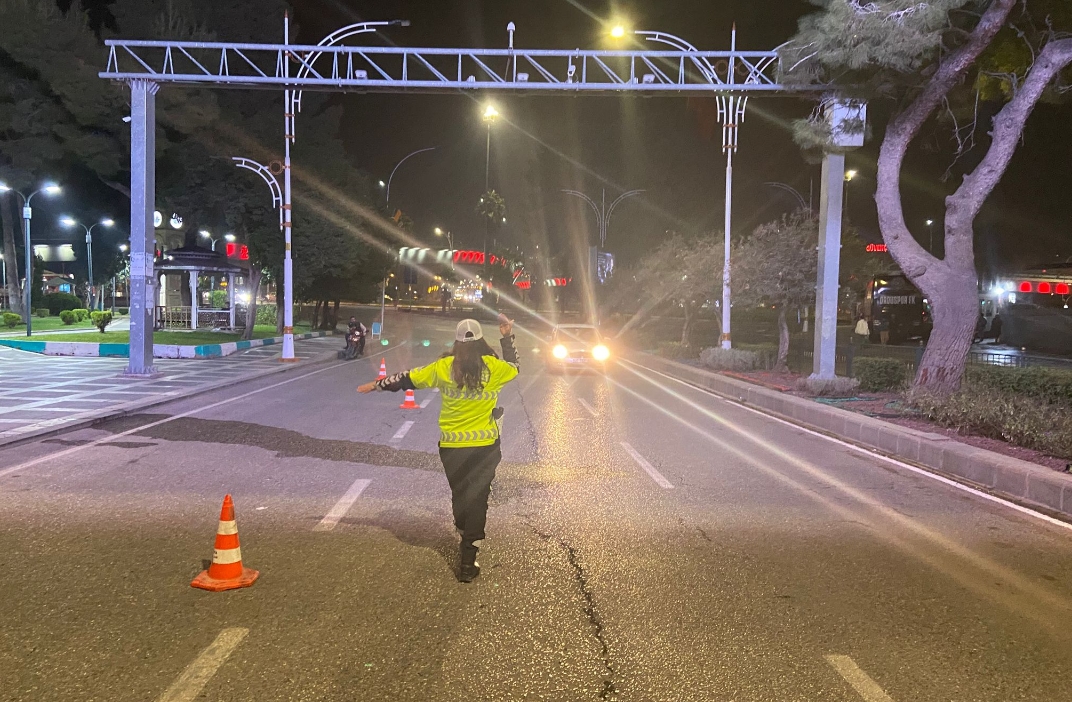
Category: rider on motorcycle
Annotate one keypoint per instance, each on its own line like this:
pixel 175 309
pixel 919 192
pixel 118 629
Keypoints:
pixel 356 333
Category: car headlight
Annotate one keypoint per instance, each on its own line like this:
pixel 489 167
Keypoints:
pixel 601 353
pixel 560 351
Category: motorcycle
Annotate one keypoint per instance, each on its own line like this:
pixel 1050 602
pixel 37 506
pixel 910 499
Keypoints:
pixel 355 345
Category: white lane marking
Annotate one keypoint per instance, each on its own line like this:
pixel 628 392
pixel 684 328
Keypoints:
pixel 874 455
pixel 648 468
pixel 860 681
pixel 401 433
pixel 590 408
pixel 189 685
pixel 427 401
pixel 342 506
pixel 150 425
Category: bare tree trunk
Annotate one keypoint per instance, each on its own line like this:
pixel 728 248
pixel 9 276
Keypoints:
pixel 783 342
pixel 316 315
pixel 335 315
pixel 11 261
pixel 686 330
pixel 278 315
pixel 954 326
pixel 251 311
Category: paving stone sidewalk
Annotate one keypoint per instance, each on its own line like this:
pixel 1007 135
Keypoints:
pixel 42 393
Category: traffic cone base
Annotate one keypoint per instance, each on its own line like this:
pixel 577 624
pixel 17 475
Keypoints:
pixel 206 582
pixel 226 571
pixel 411 401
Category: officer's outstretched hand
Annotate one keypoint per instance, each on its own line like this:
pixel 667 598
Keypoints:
pixel 367 388
pixel 506 325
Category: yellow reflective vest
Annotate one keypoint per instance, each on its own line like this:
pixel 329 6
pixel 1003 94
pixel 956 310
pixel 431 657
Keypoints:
pixel 465 419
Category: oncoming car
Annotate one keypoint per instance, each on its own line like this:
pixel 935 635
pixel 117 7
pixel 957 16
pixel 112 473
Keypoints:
pixel 578 346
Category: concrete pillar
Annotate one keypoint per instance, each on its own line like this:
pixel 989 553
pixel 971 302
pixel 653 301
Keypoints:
pixel 142 235
pixel 826 298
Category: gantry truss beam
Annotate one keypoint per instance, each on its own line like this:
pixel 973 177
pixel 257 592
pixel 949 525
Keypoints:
pixel 397 69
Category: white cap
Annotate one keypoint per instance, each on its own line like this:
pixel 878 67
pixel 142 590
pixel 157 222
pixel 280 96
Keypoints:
pixel 468 330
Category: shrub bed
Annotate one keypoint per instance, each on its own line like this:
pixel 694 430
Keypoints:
pixel 1049 384
pixel 42 312
pixel 1029 422
pixel 729 359
pixel 266 314
pixel 11 320
pixel 68 317
pixel 880 374
pixel 58 302
pixel 81 314
pixel 674 350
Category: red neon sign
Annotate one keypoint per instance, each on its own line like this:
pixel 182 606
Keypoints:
pixel 232 249
pixel 240 250
pixel 476 257
pixel 876 248
pixel 523 284
pixel 1062 289
pixel 1045 288
pixel 1025 287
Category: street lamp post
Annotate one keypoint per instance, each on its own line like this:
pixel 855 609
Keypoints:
pixel 106 222
pixel 450 243
pixel 930 230
pixel 489 117
pixel 27 214
pixel 3 272
pixel 731 112
pixel 392 176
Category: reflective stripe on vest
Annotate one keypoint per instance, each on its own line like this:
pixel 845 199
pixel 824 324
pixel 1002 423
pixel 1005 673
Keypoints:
pixel 458 437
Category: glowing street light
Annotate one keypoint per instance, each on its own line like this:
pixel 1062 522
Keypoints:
pixel 618 31
pixel 849 175
pixel 27 213
pixel 105 222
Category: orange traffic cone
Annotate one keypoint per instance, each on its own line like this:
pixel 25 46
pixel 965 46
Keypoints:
pixel 226 571
pixel 383 368
pixel 411 401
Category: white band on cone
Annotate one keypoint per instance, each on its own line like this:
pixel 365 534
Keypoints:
pixel 224 556
pixel 227 528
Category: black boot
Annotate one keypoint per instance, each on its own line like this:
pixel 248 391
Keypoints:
pixel 468 568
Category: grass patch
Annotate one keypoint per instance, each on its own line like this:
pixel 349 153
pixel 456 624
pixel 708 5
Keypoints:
pixel 41 324
pixel 180 338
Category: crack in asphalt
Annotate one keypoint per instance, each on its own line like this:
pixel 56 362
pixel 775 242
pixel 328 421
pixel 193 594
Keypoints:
pixel 580 577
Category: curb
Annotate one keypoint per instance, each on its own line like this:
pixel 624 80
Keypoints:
pixel 91 349
pixel 134 407
pixel 1005 476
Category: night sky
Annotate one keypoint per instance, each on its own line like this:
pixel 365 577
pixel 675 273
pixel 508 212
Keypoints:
pixel 668 146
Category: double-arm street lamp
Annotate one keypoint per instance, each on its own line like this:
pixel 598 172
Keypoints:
pixel 27 215
pixel 106 222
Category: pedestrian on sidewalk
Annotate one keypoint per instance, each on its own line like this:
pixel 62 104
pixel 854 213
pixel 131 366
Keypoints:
pixel 862 332
pixel 469 379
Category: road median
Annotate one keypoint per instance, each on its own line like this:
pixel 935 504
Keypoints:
pixel 1001 475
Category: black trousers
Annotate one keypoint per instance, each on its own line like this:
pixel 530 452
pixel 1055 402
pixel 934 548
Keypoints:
pixel 470 472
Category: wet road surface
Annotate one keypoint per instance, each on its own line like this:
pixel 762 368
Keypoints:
pixel 647 541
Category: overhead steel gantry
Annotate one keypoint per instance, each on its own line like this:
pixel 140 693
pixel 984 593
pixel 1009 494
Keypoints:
pixel 145 66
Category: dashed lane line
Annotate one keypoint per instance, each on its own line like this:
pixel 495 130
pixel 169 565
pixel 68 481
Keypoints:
pixel 860 681
pixel 182 415
pixel 591 410
pixel 342 506
pixel 401 433
pixel 658 477
pixel 427 401
pixel 189 685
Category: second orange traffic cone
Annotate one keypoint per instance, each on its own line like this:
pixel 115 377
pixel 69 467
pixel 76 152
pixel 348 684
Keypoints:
pixel 383 369
pixel 411 401
pixel 226 571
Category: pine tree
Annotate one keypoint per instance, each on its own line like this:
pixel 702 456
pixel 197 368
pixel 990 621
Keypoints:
pixel 925 58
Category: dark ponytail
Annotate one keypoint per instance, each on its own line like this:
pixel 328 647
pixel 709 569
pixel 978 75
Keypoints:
pixel 470 372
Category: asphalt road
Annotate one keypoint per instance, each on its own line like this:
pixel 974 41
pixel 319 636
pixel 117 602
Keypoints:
pixel 647 541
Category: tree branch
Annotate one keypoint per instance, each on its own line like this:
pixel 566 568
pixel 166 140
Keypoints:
pixel 904 127
pixel 965 203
